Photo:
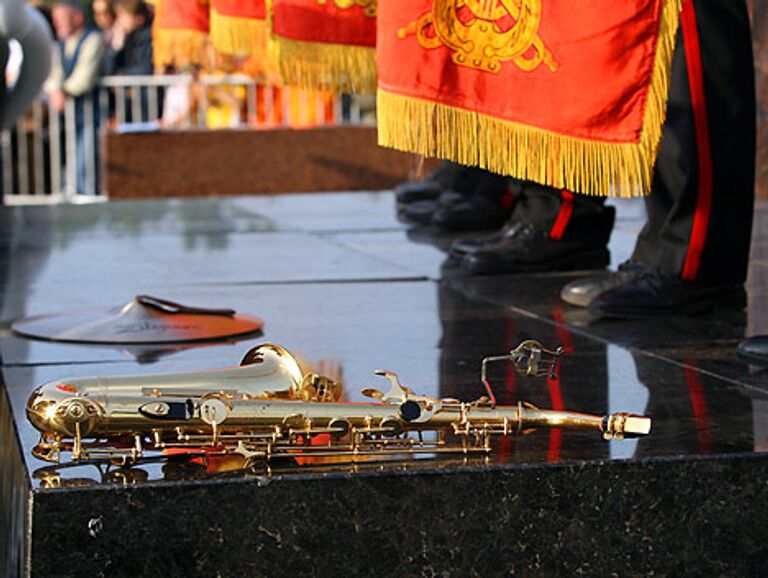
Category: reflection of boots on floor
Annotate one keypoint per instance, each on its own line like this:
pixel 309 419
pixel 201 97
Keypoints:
pixel 456 198
pixel 549 230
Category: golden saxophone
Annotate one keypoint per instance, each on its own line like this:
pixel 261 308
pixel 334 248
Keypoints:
pixel 268 409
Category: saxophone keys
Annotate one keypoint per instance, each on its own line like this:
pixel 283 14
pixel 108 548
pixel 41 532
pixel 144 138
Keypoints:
pixel 213 409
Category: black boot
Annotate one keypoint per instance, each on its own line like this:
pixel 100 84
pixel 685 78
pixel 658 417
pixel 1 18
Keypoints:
pixel 462 247
pixel 477 200
pixel 657 293
pixel 417 212
pixel 443 178
pixel 482 209
pixel 531 248
pixel 754 349
pixel 582 292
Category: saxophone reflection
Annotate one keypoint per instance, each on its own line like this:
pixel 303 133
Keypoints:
pixel 267 409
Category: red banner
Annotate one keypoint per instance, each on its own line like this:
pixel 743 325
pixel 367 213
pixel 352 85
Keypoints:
pixel 569 93
pixel 326 43
pixel 183 15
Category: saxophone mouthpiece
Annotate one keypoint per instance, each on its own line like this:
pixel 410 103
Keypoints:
pixel 625 425
pixel 637 425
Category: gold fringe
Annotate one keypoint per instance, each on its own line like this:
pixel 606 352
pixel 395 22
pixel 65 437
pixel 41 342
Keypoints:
pixel 322 66
pixel 179 48
pixel 239 36
pixel 585 166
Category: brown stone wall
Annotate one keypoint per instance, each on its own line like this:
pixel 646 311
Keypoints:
pixel 225 162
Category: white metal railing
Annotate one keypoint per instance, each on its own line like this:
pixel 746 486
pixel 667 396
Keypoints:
pixel 52 157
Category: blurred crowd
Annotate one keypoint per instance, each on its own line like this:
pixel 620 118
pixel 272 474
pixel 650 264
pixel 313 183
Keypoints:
pixel 111 38
pixel 100 38
pixel 96 47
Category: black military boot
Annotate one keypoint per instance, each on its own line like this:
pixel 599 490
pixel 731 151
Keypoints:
pixel 582 292
pixel 462 247
pixel 657 292
pixel 443 178
pixel 477 200
pixel 754 349
pixel 543 237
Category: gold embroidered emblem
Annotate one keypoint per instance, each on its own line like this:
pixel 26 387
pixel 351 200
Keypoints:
pixel 484 33
pixel 368 6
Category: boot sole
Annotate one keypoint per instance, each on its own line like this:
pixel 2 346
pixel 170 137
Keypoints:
pixel 598 259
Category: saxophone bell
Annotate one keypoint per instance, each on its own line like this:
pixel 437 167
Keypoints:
pixel 77 408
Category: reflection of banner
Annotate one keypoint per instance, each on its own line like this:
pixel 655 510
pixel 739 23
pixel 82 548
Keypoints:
pixel 326 43
pixel 569 93
pixel 239 27
pixel 181 32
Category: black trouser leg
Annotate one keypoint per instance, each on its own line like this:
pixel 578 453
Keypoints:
pixel 700 208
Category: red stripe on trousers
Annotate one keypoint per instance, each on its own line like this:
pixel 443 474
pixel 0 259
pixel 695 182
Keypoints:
pixel 553 384
pixel 701 125
pixel 563 217
pixel 699 406
pixel 556 434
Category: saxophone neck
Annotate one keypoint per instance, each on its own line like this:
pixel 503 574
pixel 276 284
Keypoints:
pixel 486 418
pixel 612 426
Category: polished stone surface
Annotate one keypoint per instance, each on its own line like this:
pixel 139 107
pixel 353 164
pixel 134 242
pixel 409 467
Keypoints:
pixel 340 282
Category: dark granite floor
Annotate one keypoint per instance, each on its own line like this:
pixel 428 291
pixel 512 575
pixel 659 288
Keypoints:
pixel 340 282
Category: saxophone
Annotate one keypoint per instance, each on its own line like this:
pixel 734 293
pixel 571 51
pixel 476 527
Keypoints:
pixel 268 409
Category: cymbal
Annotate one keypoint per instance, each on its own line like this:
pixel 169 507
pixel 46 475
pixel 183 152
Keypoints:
pixel 144 319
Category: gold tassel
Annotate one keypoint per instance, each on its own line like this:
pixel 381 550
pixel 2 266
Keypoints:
pixel 322 66
pixel 179 47
pixel 525 152
pixel 239 36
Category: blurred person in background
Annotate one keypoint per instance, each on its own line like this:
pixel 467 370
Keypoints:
pixel 130 54
pixel 131 44
pixel 104 17
pixel 76 71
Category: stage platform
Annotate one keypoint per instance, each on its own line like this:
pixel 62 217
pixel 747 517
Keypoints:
pixel 340 282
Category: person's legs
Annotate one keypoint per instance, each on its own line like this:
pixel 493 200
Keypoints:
pixel 87 145
pixel 80 178
pixel 695 244
pixel 700 210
